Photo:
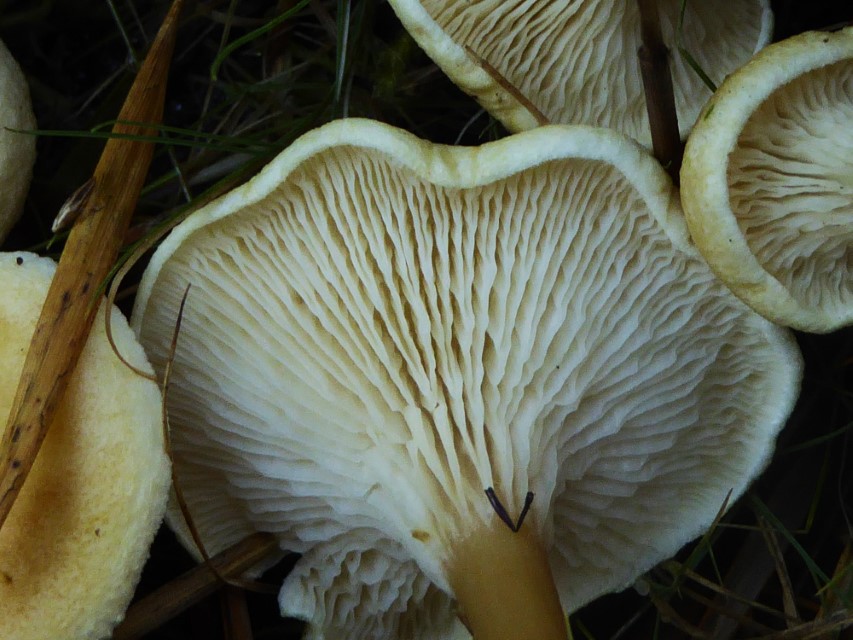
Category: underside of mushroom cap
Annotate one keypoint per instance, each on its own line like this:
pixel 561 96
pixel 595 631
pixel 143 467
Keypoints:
pixel 767 181
pixel 378 329
pixel 17 150
pixel 74 543
pixel 576 61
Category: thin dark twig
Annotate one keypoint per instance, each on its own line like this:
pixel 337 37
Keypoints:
pixel 497 76
pixel 180 499
pixel 514 525
pixel 499 508
pixel 657 83
pixel 176 486
pixel 528 500
pixel 196 584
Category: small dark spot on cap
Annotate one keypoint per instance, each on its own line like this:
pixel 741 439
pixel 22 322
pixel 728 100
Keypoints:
pixel 16 464
pixel 86 287
pixel 19 261
pixel 98 532
pixel 6 577
pixel 16 433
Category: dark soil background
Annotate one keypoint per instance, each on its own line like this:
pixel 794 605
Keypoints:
pixel 79 68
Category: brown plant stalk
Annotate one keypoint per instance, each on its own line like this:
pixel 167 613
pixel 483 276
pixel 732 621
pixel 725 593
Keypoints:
pixel 90 251
pixel 657 84
pixel 196 584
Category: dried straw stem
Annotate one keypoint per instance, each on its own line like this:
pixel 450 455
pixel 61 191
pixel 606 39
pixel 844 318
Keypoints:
pixel 90 251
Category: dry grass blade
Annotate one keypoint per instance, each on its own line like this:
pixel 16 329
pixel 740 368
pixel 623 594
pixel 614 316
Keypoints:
pixel 498 77
pixel 176 485
pixel 838 599
pixel 744 620
pixel 788 599
pixel 815 630
pixel 236 622
pixel 90 251
pixel 728 595
pixel 669 614
pixel 197 583
pixel 178 493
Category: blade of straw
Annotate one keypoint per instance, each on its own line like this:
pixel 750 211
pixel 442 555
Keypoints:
pixel 186 590
pixel 236 620
pixel 90 250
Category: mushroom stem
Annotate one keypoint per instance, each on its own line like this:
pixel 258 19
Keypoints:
pixel 504 587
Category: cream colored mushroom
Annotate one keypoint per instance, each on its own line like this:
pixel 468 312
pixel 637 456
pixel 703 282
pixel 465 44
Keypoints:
pixel 17 150
pixel 491 382
pixel 575 61
pixel 767 181
pixel 75 541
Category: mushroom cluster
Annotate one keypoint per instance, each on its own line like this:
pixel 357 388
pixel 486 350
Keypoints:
pixel 767 181
pixel 481 384
pixel 73 546
pixel 474 388
pixel 575 61
pixel 17 149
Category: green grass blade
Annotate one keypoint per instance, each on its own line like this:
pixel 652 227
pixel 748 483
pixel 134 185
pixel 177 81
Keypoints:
pixel 686 55
pixel 253 35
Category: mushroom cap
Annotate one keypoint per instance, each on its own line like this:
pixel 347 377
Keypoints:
pixel 378 329
pixel 17 150
pixel 74 543
pixel 767 181
pixel 576 61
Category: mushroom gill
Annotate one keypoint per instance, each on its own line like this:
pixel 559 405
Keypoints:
pixel 387 342
pixel 575 61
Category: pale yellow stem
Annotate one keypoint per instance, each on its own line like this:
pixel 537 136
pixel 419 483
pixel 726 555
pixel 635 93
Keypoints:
pixel 504 587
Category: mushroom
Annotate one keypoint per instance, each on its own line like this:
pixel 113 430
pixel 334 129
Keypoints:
pixel 767 181
pixel 17 150
pixel 575 62
pixel 78 534
pixel 493 382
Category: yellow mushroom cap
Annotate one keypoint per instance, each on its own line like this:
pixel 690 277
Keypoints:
pixel 73 546
pixel 767 181
pixel 17 150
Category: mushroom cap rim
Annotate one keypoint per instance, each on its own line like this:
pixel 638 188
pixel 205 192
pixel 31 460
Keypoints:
pixel 703 190
pixel 445 166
